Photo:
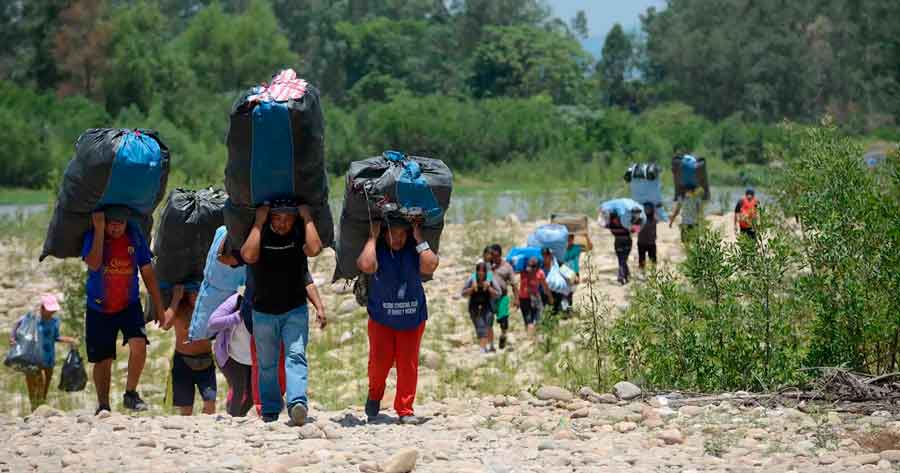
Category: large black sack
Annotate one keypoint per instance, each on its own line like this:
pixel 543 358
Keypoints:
pixel 186 229
pixel 110 166
pixel 276 149
pixel 372 193
pixel 73 376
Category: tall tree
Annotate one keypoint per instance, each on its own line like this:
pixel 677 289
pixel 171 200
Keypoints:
pixel 580 24
pixel 614 65
pixel 80 47
pixel 522 61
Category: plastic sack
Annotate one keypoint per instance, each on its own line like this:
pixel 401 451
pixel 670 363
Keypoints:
pixel 553 236
pixel 25 355
pixel 276 149
pixel 395 188
pixel 689 173
pixel 556 281
pixel 73 376
pixel 111 166
pixel 569 274
pixel 186 229
pixel 577 225
pixel 518 257
pixel 623 208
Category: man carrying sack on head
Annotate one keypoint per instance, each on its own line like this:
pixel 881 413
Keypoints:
pixel 114 252
pixel 276 251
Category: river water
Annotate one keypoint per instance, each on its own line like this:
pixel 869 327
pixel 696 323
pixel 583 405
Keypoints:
pixel 480 205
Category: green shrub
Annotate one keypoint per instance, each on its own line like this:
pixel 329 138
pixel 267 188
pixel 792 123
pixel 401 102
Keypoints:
pixel 723 320
pixel 851 244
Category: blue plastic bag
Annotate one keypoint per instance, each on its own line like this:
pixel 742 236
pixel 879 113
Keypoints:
pixel 623 209
pixel 518 257
pixel 553 236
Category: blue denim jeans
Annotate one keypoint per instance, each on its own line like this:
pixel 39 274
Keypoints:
pixel 269 331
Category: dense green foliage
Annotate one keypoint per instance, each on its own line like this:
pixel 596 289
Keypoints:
pixel 749 315
pixel 483 84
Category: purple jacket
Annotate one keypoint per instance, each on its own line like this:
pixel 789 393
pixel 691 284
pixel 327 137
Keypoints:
pixel 221 323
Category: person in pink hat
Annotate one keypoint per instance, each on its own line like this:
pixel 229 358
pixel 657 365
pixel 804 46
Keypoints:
pixel 38 382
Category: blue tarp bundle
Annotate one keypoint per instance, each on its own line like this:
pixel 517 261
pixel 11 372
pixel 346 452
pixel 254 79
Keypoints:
pixel 553 236
pixel 623 208
pixel 518 257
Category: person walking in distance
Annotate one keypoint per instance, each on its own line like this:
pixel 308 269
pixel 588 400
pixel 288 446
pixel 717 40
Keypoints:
pixel 397 259
pixel 504 275
pixel 745 214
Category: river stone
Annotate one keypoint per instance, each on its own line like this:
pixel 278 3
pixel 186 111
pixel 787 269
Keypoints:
pixel 866 459
pixel 348 306
pixel 671 436
pixel 403 461
pixel 891 455
pixel 626 391
pixel 430 359
pixel 554 393
pixel 46 411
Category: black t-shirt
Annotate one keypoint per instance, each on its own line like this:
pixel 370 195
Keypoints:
pixel 281 274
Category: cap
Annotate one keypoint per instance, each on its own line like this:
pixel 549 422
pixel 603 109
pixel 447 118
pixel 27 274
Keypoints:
pixel 284 206
pixel 49 302
pixel 117 212
pixel 750 191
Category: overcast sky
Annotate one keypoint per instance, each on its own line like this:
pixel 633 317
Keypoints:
pixel 603 14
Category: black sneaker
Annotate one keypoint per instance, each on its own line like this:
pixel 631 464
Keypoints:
pixel 298 414
pixel 267 418
pixel 409 420
pixel 102 408
pixel 502 341
pixel 132 400
pixel 372 408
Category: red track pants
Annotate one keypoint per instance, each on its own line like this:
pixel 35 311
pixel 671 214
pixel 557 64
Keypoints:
pixel 254 375
pixel 386 347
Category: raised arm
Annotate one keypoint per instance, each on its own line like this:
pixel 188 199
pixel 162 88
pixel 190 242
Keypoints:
pixel 250 250
pixel 469 288
pixel 94 258
pixel 367 262
pixel 313 244
pixel 428 260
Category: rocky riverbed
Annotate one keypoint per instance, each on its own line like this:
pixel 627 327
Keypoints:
pixel 557 431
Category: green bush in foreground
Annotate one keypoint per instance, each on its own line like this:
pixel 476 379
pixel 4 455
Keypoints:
pixel 751 315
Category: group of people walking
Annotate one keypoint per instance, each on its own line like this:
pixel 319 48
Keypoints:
pixel 690 208
pixel 256 300
pixel 494 288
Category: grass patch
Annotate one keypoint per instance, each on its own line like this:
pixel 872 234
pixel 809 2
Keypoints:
pixel 22 196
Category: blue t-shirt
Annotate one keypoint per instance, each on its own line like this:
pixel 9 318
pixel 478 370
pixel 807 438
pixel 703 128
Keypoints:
pixel 96 287
pixel 396 294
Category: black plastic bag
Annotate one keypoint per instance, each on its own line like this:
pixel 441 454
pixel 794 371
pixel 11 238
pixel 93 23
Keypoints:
pixel 186 229
pixel 276 149
pixel 25 355
pixel 373 182
pixel 106 170
pixel 73 376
